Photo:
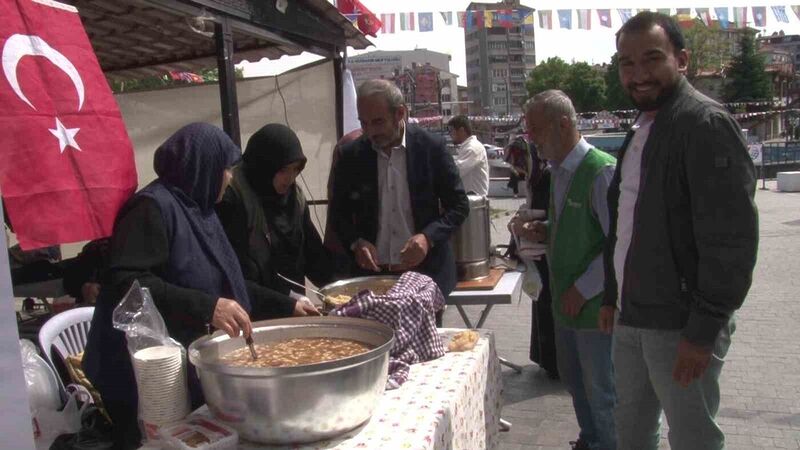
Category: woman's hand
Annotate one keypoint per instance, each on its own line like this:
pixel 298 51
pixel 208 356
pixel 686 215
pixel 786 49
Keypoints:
pixel 231 318
pixel 304 307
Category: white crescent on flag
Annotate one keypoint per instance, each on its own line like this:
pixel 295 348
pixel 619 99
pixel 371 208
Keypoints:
pixel 20 45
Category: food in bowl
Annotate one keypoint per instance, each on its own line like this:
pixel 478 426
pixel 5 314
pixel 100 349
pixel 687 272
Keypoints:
pixel 296 352
pixel 337 300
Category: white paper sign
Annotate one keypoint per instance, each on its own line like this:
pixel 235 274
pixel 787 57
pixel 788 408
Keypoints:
pixel 756 152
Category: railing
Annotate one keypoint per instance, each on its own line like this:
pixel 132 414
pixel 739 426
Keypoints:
pixel 781 152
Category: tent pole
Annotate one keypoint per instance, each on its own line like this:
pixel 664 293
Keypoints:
pixel 223 37
pixel 338 74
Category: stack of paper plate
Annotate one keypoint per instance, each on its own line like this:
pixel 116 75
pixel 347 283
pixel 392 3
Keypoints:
pixel 161 378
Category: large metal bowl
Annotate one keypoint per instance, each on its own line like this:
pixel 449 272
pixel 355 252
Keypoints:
pixel 285 405
pixel 378 284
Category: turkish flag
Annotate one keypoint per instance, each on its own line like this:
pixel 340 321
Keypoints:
pixel 66 162
pixel 368 22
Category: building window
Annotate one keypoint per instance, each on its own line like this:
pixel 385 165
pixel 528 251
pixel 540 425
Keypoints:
pixel 499 73
pixel 529 45
pixel 445 97
pixel 517 72
pixel 498 101
pixel 498 59
pixel 497 45
pixel 530 59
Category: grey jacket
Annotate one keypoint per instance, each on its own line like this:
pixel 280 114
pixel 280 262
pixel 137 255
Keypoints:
pixel 695 234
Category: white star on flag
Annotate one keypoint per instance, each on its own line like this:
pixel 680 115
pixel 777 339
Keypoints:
pixel 66 136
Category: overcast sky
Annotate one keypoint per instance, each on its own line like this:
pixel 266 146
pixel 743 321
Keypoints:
pixel 592 46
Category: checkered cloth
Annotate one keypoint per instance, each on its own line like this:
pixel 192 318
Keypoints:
pixel 408 308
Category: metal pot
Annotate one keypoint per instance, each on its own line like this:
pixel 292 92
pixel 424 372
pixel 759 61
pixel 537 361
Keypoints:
pixel 284 405
pixel 471 241
pixel 378 284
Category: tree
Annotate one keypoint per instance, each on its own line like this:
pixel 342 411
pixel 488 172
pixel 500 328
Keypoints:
pixel 616 97
pixel 582 83
pixel 586 87
pixel 551 74
pixel 747 79
pixel 156 82
pixel 708 49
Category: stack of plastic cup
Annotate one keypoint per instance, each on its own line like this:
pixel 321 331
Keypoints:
pixel 161 378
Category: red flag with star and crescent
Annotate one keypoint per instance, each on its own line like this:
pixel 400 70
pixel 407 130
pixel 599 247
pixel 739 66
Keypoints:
pixel 368 22
pixel 66 162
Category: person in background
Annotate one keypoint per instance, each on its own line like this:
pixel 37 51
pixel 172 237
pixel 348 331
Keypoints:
pixel 397 195
pixel 342 261
pixel 518 157
pixel 169 239
pixel 82 274
pixel 267 219
pixel 471 159
pixel 682 244
pixel 543 344
pixel 576 232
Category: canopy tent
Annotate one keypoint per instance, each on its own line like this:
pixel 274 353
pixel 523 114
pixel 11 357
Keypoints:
pixel 139 38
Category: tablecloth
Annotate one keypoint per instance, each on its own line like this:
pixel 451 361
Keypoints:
pixel 453 402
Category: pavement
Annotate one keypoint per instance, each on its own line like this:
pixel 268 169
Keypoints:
pixel 760 382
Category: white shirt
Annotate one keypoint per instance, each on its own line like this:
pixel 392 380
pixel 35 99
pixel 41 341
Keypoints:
pixel 473 165
pixel 395 220
pixel 630 176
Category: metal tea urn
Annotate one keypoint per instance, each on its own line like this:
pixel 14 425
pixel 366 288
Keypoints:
pixel 472 240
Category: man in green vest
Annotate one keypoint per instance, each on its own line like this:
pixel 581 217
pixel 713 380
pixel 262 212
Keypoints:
pixel 575 233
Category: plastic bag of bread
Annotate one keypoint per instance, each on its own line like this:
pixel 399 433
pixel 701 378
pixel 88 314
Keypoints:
pixel 463 341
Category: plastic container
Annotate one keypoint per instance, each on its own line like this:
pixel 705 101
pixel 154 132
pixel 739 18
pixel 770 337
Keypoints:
pixel 199 433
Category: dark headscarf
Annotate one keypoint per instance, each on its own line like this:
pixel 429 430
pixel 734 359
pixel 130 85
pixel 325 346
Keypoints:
pixel 269 150
pixel 190 167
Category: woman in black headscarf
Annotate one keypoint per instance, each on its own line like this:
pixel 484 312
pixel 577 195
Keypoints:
pixel 168 237
pixel 267 220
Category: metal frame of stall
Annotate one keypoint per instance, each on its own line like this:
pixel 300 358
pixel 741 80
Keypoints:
pixel 138 38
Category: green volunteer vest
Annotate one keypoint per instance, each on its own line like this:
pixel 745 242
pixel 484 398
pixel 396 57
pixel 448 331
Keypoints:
pixel 576 238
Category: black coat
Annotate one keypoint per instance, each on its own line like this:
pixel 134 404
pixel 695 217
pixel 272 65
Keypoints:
pixel 438 202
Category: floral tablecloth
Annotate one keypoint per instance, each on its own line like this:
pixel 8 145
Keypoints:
pixel 449 403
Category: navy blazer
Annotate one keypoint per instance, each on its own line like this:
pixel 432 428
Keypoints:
pixel 438 202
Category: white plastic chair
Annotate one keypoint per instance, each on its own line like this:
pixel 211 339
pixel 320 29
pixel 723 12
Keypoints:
pixel 67 332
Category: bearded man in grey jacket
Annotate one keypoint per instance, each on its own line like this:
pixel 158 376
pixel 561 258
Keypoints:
pixel 682 245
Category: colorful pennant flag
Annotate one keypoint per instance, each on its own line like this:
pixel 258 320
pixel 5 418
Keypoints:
pixel 366 20
pixel 447 16
pixel 425 21
pixel 488 19
pixel 546 19
pixel 665 11
pixel 740 16
pixel 705 15
pixel 565 18
pixel 796 9
pixel 352 17
pixel 407 21
pixel 780 13
pixel 605 17
pixel 527 22
pixel 760 16
pixel 462 18
pixel 475 20
pixel 624 14
pixel 722 17
pixel 584 19
pixel 388 23
pixel 505 18
pixel 683 11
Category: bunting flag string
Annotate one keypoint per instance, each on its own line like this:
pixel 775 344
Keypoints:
pixel 428 21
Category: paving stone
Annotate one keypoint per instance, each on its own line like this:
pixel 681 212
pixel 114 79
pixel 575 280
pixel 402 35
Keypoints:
pixel 760 382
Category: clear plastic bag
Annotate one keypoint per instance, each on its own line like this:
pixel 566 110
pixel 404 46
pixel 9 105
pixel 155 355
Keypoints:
pixel 159 362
